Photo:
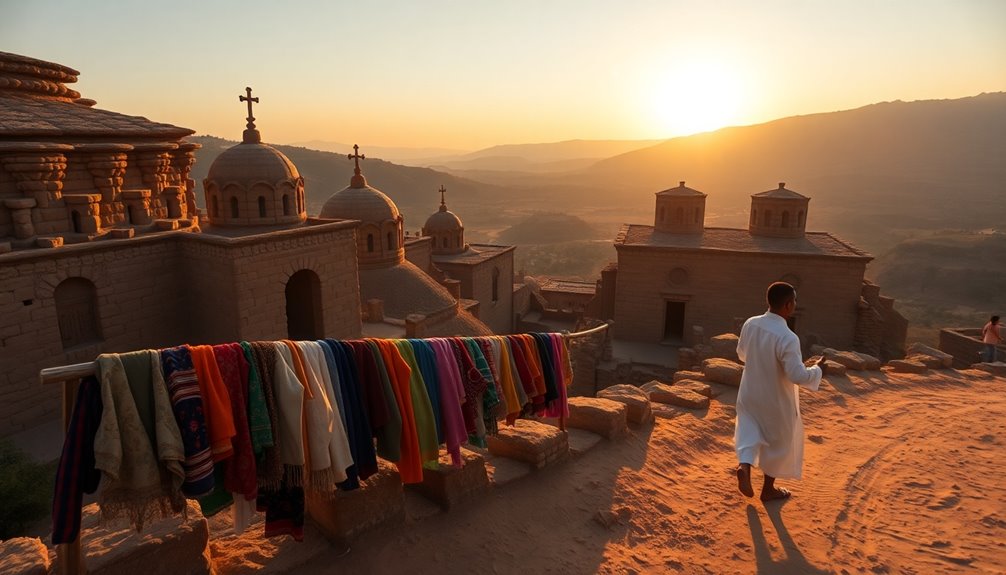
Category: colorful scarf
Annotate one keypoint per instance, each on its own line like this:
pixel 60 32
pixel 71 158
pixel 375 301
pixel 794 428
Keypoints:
pixel 77 474
pixel 187 405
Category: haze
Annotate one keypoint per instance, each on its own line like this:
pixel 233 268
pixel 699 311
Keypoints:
pixel 467 75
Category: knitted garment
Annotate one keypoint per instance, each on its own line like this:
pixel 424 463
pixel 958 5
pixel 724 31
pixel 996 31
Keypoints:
pixel 187 405
pixel 329 452
pixel 290 394
pixel 76 474
pixel 472 383
pixel 130 465
pixel 269 467
pixel 259 424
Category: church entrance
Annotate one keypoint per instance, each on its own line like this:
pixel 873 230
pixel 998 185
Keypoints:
pixel 674 322
pixel 303 306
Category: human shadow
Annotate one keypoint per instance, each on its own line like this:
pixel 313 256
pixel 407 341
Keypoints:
pixel 794 561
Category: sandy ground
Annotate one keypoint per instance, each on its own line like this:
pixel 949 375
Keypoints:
pixel 903 474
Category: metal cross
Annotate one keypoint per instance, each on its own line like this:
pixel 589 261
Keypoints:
pixel 356 155
pixel 249 99
pixel 442 191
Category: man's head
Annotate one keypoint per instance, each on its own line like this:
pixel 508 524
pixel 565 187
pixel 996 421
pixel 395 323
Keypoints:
pixel 781 299
pixel 995 319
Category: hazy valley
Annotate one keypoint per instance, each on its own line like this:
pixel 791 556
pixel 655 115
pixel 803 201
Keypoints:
pixel 920 185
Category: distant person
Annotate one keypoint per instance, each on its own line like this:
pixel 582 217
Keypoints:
pixel 769 432
pixel 992 336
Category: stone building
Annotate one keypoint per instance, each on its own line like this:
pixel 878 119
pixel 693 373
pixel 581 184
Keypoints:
pixel 399 298
pixel 102 248
pixel 677 281
pixel 483 272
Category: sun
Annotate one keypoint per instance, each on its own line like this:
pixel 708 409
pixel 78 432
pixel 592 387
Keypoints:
pixel 697 96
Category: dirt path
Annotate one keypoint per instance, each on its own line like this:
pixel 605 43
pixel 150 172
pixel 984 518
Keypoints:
pixel 903 474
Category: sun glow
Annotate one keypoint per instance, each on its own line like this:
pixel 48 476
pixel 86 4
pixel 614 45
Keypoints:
pixel 697 96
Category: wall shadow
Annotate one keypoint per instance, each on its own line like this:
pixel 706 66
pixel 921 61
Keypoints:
pixel 793 562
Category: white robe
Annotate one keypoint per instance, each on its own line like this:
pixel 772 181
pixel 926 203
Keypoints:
pixel 769 432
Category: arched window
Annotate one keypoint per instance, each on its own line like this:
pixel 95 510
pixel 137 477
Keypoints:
pixel 286 204
pixel 785 219
pixel 768 218
pixel 75 218
pixel 214 207
pixel 389 242
pixel 304 306
pixel 77 312
pixel 370 242
pixel 496 285
pixel 799 219
pixel 234 207
pixel 261 206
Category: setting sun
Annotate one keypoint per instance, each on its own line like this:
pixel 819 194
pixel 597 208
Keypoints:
pixel 697 96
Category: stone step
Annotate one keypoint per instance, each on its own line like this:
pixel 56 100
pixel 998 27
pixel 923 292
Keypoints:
pixel 342 515
pixel 502 470
pixel 535 443
pixel 582 441
pixel 448 485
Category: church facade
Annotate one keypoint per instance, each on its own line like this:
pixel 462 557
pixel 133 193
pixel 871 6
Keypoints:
pixel 678 282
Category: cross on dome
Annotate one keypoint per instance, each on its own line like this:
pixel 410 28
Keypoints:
pixel 251 135
pixel 443 204
pixel 357 181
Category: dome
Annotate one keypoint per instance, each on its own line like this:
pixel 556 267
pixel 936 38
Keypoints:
pixel 365 203
pixel 254 184
pixel 443 220
pixel 779 213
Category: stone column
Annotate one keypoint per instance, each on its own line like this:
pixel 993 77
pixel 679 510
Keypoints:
pixel 88 208
pixel 137 206
pixel 37 169
pixel 107 165
pixel 182 161
pixel 20 209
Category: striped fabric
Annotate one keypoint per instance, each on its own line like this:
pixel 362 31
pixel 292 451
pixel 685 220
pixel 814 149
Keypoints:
pixel 187 404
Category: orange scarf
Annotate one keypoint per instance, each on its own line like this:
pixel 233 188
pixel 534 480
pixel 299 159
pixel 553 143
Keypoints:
pixel 216 401
pixel 410 465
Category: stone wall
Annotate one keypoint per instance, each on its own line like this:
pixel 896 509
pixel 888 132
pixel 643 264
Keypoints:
pixel 419 251
pixel 721 289
pixel 139 304
pixel 965 344
pixel 477 284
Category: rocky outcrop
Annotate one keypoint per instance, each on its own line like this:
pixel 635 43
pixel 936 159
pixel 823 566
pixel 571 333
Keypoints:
pixel 722 371
pixel 635 400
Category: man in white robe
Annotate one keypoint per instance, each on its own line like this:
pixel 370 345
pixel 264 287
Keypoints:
pixel 769 432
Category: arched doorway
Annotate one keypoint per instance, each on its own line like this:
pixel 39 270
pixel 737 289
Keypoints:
pixel 303 306
pixel 77 312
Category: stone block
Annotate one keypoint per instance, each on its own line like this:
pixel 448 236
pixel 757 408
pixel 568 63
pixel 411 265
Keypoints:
pixel 503 470
pixel 165 546
pixel 849 359
pixel 907 366
pixel 602 416
pixel 24 556
pixel 166 225
pixel 946 360
pixel 725 346
pixel 926 360
pixel 635 400
pixel 49 242
pixel 685 374
pixel 696 386
pixel 532 442
pixel 870 363
pixel 723 371
pixel 675 395
pixel 581 440
pixel 835 369
pixel 449 485
pixel 342 515
pixel 997 369
pixel 122 233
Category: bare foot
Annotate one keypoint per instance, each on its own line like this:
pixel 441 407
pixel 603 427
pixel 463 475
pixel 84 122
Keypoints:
pixel 744 480
pixel 775 493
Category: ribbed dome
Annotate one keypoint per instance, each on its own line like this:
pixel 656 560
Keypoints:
pixel 443 220
pixel 251 162
pixel 367 204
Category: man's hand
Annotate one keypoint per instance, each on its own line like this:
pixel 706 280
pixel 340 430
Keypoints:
pixel 824 366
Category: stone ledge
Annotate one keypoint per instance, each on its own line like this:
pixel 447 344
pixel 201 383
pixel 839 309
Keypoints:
pixel 604 417
pixel 532 442
pixel 345 514
pixel 449 485
pixel 635 400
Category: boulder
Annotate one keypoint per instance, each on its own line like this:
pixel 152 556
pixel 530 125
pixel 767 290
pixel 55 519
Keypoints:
pixel 602 416
pixel 870 363
pixel 722 371
pixel 725 346
pixel 997 369
pixel 676 395
pixel 835 369
pixel 24 556
pixel 691 375
pixel 696 386
pixel 946 359
pixel 635 400
pixel 851 360
pixel 907 366
pixel 687 357
pixel 926 360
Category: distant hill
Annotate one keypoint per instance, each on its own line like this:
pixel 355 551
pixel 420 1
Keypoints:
pixel 537 158
pixel 546 228
pixel 396 154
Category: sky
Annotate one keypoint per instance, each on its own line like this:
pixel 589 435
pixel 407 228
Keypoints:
pixel 470 74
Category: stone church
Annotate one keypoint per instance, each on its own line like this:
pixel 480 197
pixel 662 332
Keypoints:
pixel 103 249
pixel 679 282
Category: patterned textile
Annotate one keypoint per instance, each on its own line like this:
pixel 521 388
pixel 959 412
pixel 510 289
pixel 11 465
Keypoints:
pixel 187 405
pixel 269 467
pixel 77 474
pixel 239 476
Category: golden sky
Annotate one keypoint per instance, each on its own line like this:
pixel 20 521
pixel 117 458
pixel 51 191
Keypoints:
pixel 474 73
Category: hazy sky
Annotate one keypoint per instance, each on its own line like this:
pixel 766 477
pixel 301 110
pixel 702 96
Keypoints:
pixel 470 73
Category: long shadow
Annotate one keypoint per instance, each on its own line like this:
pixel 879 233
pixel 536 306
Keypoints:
pixel 794 561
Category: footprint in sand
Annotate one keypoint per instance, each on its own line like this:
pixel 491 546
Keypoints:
pixel 919 484
pixel 816 438
pixel 946 502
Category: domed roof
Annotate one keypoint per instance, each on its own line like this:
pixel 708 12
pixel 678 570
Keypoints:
pixel 250 162
pixel 781 193
pixel 365 203
pixel 442 221
pixel 681 190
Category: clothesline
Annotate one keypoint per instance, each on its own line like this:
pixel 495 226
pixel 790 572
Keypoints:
pixel 78 371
